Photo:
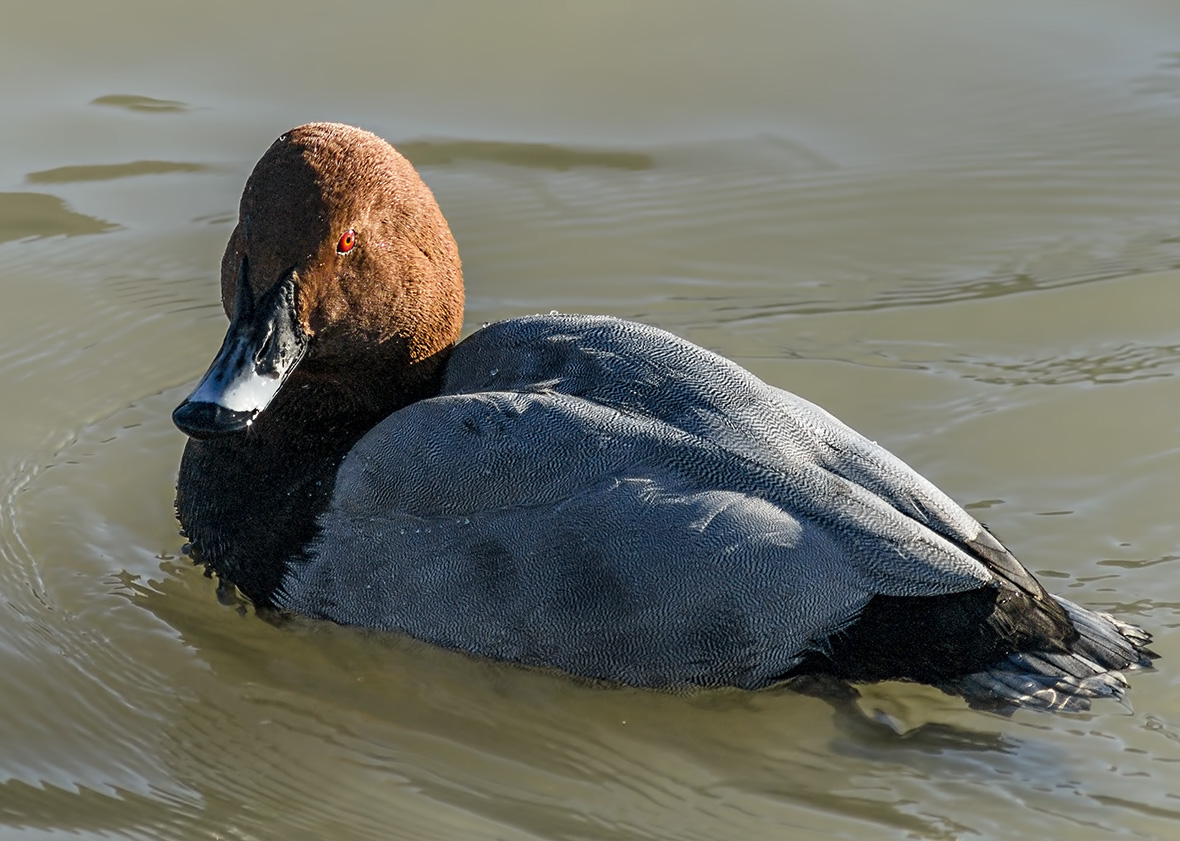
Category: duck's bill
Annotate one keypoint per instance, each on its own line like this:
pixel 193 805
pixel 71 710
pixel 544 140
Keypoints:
pixel 262 346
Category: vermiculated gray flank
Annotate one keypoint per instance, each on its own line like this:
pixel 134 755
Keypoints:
pixel 602 497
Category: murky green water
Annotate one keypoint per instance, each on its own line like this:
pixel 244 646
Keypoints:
pixel 956 225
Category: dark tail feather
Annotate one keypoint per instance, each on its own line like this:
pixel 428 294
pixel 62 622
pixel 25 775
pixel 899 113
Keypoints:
pixel 1057 681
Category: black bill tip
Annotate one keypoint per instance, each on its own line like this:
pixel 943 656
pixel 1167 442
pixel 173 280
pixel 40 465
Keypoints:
pixel 208 420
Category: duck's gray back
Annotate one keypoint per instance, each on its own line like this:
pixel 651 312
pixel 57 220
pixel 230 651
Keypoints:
pixel 603 497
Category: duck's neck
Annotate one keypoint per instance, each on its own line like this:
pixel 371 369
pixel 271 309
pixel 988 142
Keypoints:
pixel 248 503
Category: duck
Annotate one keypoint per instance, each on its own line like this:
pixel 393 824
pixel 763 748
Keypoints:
pixel 576 493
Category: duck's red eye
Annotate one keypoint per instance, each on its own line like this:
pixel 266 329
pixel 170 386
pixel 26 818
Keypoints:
pixel 347 242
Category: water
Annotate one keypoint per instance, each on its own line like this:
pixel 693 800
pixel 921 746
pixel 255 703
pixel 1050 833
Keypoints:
pixel 955 225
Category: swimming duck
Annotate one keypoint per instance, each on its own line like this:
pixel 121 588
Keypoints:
pixel 574 492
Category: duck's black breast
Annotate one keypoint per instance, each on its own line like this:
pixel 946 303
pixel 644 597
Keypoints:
pixel 250 503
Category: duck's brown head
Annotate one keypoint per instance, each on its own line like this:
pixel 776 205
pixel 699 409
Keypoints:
pixel 341 275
